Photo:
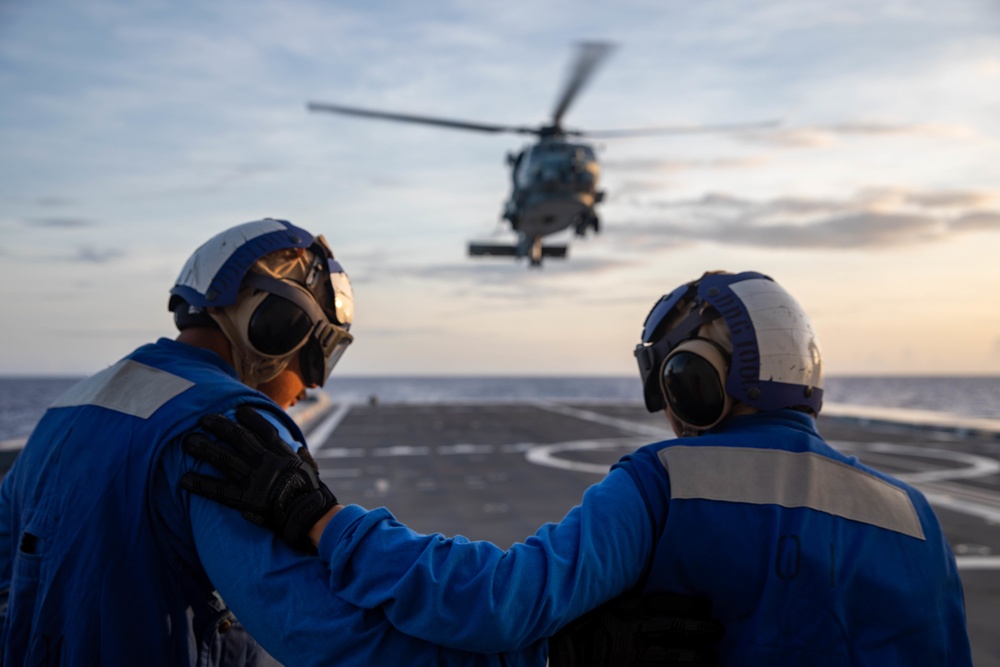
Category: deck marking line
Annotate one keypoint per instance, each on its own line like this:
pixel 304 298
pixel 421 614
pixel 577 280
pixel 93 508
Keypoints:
pixel 978 562
pixel 401 450
pixel 338 453
pixel 545 455
pixel 321 434
pixel 463 448
pixel 598 418
pixel 965 507
pixel 926 481
pixel 340 473
pixel 979 466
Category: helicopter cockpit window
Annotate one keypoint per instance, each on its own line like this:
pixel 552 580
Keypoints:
pixel 524 167
pixel 553 162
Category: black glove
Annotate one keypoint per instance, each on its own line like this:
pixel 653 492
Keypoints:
pixel 659 629
pixel 273 485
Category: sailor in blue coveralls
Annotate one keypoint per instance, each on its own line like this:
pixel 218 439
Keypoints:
pixel 808 556
pixel 104 560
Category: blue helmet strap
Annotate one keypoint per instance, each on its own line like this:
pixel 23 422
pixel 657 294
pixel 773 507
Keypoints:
pixel 650 357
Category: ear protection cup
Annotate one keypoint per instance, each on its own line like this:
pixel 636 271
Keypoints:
pixel 277 326
pixel 693 382
pixel 269 327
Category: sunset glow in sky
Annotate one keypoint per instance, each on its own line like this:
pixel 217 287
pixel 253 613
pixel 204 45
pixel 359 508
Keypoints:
pixel 130 132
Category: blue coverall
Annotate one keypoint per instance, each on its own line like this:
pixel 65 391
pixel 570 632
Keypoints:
pixel 104 560
pixel 808 556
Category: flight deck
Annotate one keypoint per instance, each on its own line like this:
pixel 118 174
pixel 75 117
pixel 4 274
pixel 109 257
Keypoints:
pixel 499 470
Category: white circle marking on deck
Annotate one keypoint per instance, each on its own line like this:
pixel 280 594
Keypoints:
pixel 978 466
pixel 545 455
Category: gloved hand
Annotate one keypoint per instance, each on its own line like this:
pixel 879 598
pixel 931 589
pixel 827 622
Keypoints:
pixel 272 485
pixel 657 629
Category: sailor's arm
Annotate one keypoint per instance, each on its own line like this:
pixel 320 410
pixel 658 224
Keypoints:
pixel 281 596
pixel 468 595
pixel 476 596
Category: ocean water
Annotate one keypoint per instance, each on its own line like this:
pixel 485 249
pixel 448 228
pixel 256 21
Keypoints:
pixel 23 400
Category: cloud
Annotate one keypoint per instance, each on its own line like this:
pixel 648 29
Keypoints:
pixel 409 332
pixel 628 190
pixel 895 198
pixel 103 333
pixel 953 199
pixel 389 182
pixel 862 230
pixel 671 166
pixel 53 201
pixel 820 136
pixel 220 180
pixel 718 202
pixel 859 230
pixel 980 220
pixel 94 255
pixel 872 218
pixel 60 223
pixel 502 278
pixel 503 270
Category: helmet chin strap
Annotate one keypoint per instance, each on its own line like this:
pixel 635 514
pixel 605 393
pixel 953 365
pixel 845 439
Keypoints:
pixel 252 369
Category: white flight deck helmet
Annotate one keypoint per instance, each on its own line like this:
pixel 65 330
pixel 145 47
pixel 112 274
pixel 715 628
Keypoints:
pixel 728 338
pixel 275 291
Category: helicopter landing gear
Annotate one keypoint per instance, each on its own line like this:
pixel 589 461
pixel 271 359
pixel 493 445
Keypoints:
pixel 588 222
pixel 532 249
pixel 536 252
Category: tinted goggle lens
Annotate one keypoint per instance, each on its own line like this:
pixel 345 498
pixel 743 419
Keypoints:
pixel 316 367
pixel 693 389
pixel 278 326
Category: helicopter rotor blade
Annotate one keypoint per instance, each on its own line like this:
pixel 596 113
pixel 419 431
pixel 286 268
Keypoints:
pixel 678 129
pixel 589 56
pixel 426 120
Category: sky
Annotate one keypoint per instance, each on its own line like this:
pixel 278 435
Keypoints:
pixel 132 131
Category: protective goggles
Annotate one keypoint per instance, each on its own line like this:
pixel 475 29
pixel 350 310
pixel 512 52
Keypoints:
pixel 328 283
pixel 284 317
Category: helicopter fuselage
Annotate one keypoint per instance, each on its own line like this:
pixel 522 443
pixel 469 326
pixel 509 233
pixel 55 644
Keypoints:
pixel 554 181
pixel 554 187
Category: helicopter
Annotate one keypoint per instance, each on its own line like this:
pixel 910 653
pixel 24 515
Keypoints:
pixel 554 181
